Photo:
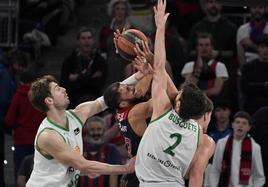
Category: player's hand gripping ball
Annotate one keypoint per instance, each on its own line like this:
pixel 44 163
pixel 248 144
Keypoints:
pixel 126 42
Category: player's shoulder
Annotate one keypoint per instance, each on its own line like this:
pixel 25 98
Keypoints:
pixel 208 142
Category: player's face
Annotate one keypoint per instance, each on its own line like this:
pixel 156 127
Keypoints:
pixel 86 42
pixel 207 118
pixel 204 48
pixel 126 91
pixel 120 11
pixel 240 127
pixel 95 132
pixel 59 96
pixel 263 52
pixel 213 7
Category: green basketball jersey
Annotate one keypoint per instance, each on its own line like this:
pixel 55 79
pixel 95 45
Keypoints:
pixel 167 149
pixel 47 171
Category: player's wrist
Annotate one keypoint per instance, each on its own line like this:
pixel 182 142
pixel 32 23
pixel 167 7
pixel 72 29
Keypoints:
pixel 102 103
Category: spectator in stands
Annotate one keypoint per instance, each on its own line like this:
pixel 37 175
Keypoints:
pixel 260 134
pixel 10 68
pixel 222 30
pixel 175 56
pixel 118 10
pixel 248 33
pixel 96 149
pixel 184 14
pixel 141 15
pixel 25 170
pixel 208 73
pixel 254 78
pixel 237 159
pixel 50 17
pixel 23 119
pixel 84 71
pixel 220 127
pixel 222 123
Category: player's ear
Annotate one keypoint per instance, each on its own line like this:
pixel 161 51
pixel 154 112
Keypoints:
pixel 177 105
pixel 48 100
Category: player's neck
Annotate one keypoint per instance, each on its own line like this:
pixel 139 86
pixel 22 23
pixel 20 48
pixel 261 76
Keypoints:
pixel 58 117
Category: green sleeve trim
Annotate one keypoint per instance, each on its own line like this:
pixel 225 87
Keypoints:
pixel 162 115
pixel 47 156
pixel 78 119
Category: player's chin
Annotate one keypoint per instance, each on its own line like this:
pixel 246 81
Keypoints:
pixel 67 102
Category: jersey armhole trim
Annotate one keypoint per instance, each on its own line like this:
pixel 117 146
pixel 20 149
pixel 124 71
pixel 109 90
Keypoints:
pixel 198 136
pixel 162 115
pixel 78 119
pixel 47 156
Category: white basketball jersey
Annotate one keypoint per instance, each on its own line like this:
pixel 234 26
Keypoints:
pixel 167 149
pixel 48 172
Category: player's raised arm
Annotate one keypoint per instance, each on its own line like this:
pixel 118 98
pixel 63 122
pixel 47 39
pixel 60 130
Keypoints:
pixel 161 101
pixel 90 108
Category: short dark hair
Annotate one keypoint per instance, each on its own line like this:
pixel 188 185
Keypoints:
pixel 19 57
pixel 27 76
pixel 193 102
pixel 222 103
pixel 85 29
pixel 243 114
pixel 262 40
pixel 39 91
pixel 202 35
pixel 112 96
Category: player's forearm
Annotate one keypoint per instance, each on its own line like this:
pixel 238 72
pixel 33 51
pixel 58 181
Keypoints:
pixel 143 85
pixel 105 169
pixel 89 108
pixel 133 79
pixel 196 181
pixel 172 91
pixel 160 52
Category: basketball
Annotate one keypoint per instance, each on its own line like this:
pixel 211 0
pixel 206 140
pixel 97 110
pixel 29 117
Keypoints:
pixel 127 41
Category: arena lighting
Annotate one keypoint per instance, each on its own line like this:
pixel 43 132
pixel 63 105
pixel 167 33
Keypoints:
pixel 12 148
pixel 242 3
pixel 5 162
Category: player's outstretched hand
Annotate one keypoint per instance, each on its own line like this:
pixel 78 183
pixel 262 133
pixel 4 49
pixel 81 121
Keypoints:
pixel 140 63
pixel 130 165
pixel 144 51
pixel 160 15
pixel 117 33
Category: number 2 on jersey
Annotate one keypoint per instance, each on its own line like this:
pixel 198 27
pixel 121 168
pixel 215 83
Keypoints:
pixel 177 142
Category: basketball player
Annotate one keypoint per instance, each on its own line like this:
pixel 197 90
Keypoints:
pixel 58 156
pixel 173 145
pixel 131 115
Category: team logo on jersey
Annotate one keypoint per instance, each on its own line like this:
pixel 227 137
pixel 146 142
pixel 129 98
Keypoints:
pixel 76 131
pixel 122 127
pixel 70 169
pixel 120 116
